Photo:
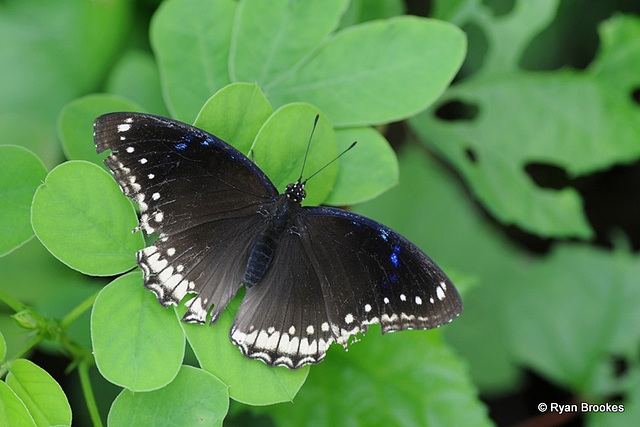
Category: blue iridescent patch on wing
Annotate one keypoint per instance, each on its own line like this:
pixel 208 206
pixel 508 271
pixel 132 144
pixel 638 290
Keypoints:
pixel 394 256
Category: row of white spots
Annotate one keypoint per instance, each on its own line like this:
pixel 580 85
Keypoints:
pixel 280 348
pixel 168 281
pixel 403 317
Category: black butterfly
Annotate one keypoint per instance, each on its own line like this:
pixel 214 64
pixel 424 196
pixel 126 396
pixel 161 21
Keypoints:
pixel 314 275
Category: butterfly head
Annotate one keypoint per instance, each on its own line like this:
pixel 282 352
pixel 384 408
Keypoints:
pixel 295 191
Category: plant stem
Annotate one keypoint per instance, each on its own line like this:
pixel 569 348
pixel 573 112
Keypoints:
pixel 13 303
pixel 83 371
pixel 77 311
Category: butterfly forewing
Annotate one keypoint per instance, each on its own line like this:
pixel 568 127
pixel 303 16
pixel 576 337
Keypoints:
pixel 375 275
pixel 201 195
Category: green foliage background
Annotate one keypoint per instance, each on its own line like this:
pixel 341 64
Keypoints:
pixel 255 73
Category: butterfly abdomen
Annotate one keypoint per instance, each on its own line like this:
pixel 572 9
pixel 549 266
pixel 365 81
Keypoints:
pixel 279 221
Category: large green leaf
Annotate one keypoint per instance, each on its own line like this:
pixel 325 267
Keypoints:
pixel 40 393
pixel 79 214
pixel 193 398
pixel 376 72
pixel 137 344
pixel 573 120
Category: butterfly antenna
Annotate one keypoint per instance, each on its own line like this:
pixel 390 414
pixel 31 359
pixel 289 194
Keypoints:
pixel 304 162
pixel 336 158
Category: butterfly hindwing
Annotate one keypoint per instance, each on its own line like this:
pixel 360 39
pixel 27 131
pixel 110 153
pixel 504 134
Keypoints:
pixel 283 321
pixel 203 198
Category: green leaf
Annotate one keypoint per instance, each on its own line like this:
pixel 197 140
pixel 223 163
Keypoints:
pixel 376 72
pixel 75 124
pixel 235 114
pixel 137 344
pixel 586 302
pixel 270 38
pixel 20 174
pixel 572 120
pixel 190 39
pixel 250 381
pixel 370 169
pixel 282 142
pixel 12 411
pixel 405 378
pixel 80 216
pixel 136 77
pixel 41 394
pixel 193 398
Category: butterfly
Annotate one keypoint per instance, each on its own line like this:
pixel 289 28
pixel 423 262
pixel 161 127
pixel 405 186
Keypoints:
pixel 313 275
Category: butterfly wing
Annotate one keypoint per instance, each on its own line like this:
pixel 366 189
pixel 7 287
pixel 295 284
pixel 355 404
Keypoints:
pixel 204 198
pixel 334 274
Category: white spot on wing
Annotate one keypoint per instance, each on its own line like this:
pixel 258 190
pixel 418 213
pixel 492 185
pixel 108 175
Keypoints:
pixel 367 308
pixel 418 300
pixel 348 319
pixel 440 293
pixel 124 127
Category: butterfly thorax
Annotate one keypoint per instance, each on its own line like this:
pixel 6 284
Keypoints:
pixel 278 222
